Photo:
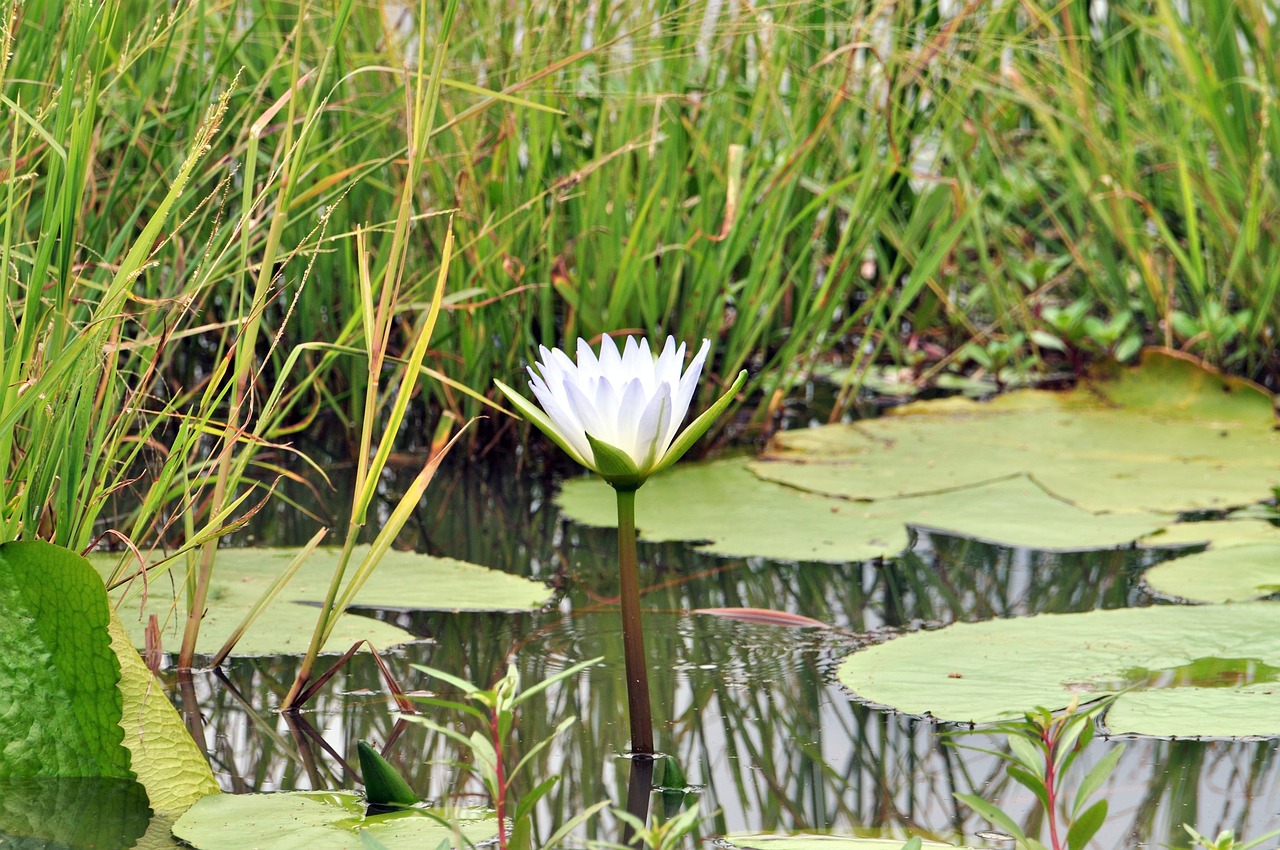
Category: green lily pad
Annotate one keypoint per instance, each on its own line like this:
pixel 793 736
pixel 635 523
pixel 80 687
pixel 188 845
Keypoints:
pixel 402 580
pixel 766 841
pixel 1241 563
pixel 60 706
pixel 1166 436
pixel 740 514
pixel 308 820
pixel 1184 671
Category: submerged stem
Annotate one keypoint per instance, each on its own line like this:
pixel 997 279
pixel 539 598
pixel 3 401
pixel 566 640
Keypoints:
pixel 633 628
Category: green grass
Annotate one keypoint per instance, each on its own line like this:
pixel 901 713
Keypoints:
pixel 799 181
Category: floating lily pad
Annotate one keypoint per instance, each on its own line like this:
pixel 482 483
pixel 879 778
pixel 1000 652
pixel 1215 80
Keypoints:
pixel 1166 436
pixel 739 514
pixel 1241 563
pixel 1184 671
pixel 765 841
pixel 308 820
pixel 402 580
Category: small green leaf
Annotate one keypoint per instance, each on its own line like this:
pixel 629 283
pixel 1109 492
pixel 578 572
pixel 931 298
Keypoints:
pixel 994 814
pixel 1087 825
pixel 383 784
pixel 1031 782
pixel 1097 775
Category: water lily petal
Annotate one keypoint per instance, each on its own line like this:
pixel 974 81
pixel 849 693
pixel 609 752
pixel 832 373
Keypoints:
pixel 653 426
pixel 637 362
pixel 629 432
pixel 611 360
pixel 683 395
pixel 584 406
pixel 686 438
pixel 588 366
pixel 561 416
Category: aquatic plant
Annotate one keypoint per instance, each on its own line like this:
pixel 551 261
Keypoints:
pixel 496 709
pixel 1042 748
pixel 619 416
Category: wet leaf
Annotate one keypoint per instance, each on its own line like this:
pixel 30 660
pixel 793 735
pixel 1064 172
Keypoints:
pixel 1185 671
pixel 739 514
pixel 403 580
pixel 60 706
pixel 1166 436
pixel 162 753
pixel 317 821
pixel 1241 563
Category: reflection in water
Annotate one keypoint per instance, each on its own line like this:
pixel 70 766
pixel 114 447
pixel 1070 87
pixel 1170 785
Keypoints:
pixel 752 711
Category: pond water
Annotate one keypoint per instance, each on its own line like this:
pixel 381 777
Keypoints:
pixel 752 711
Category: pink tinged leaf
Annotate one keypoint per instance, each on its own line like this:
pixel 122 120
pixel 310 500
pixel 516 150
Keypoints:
pixel 766 617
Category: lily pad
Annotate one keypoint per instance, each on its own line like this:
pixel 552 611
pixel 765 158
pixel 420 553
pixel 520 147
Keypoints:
pixel 79 813
pixel 739 514
pixel 1241 563
pixel 308 820
pixel 1169 436
pixel 402 580
pixel 60 706
pixel 162 752
pixel 1184 671
pixel 767 841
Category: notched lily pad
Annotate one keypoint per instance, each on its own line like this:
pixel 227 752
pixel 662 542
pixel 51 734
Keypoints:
pixel 309 820
pixel 1169 436
pixel 1183 671
pixel 1242 561
pixel 402 580
pixel 739 514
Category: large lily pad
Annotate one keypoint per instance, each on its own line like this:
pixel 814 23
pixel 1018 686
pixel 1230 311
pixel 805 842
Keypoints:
pixel 739 514
pixel 1241 563
pixel 402 580
pixel 1185 671
pixel 60 706
pixel 1166 436
pixel 308 820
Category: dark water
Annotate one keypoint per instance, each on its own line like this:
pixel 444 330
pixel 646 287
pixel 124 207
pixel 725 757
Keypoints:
pixel 752 711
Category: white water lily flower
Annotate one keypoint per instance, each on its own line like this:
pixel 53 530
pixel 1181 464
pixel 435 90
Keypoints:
pixel 619 414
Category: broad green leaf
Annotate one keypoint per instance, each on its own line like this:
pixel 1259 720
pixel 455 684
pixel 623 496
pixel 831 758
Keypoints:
pixel 317 821
pixel 403 580
pixel 60 706
pixel 1241 563
pixel 768 841
pixel 162 753
pixel 1166 436
pixel 78 812
pixel 740 514
pixel 1184 671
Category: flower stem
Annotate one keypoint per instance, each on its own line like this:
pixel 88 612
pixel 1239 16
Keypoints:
pixel 633 628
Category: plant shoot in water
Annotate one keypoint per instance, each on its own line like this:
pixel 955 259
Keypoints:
pixel 1042 748
pixel 619 415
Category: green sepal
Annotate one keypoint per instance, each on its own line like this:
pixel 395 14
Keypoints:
pixel 534 414
pixel 616 466
pixel 699 426
pixel 383 784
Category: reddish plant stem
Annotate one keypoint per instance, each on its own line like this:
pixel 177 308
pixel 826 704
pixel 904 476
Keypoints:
pixel 633 628
pixel 1050 741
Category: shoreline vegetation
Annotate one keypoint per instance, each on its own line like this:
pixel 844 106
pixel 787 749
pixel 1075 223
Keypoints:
pixel 198 195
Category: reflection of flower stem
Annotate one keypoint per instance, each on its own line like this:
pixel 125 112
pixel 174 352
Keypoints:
pixel 632 627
